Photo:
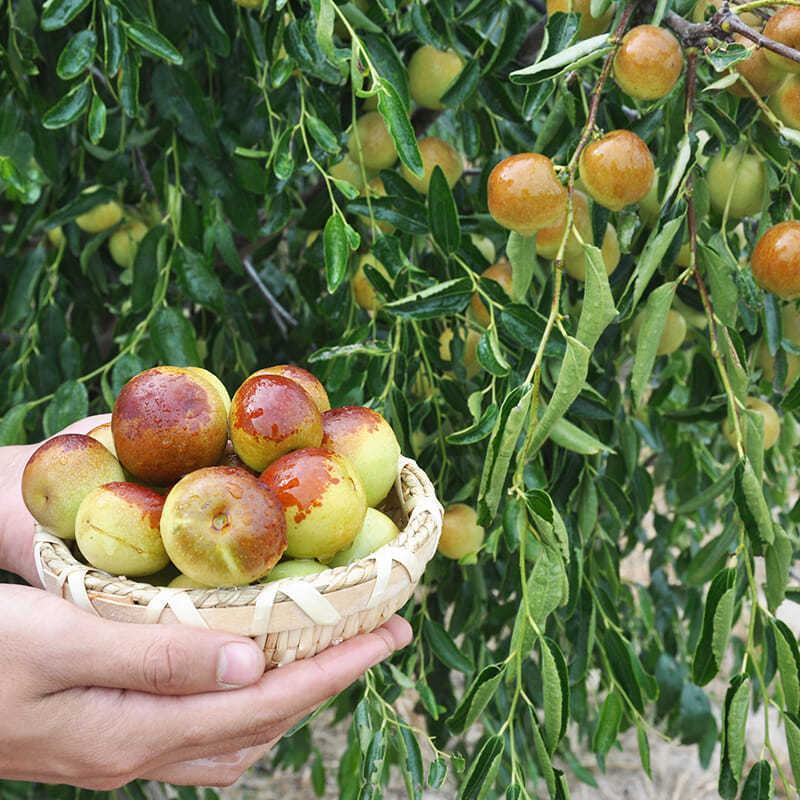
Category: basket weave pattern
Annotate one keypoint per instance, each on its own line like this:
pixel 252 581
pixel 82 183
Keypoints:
pixel 291 618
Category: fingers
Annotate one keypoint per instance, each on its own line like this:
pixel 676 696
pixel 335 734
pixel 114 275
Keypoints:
pixel 156 659
pixel 200 721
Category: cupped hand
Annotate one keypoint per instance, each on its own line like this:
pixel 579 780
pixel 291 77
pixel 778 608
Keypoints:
pixel 96 704
pixel 16 523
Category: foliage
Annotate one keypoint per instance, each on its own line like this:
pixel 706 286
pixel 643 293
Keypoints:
pixel 217 126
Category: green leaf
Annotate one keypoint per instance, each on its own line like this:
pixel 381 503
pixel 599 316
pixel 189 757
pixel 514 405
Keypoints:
pixel 555 690
pixel 759 784
pixel 717 620
pixel 69 404
pixel 608 723
pixel 58 13
pixel 572 438
pixel 720 273
pixel 464 86
pixel 644 749
pixel 173 338
pixel 477 696
pixel 337 251
pixel 449 297
pixel 598 308
pixel 480 777
pixel 146 265
pixel 413 773
pixel 620 659
pixel 129 84
pixel 708 494
pixel 393 111
pixel 648 337
pixel 571 378
pixel 322 134
pixel 788 665
pixel 199 281
pixel 543 757
pixel 442 213
pixel 445 649
pixel 478 431
pixel 521 253
pixel 97 120
pixel 737 702
pixel 652 255
pixel 154 42
pixel 114 40
pixel 77 55
pixel 69 108
pixel 12 426
pixel 490 354
pixel 546 586
pixel 579 54
pixel 752 507
pixel 792 724
pixel 778 561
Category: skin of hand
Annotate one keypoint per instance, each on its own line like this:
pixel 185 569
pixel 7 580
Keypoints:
pixel 96 704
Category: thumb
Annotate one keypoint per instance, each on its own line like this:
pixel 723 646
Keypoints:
pixel 158 659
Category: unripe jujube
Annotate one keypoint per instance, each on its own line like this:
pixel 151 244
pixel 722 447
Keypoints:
pixel 776 260
pixel 431 73
pixel 372 143
pixel 648 62
pixel 589 25
pixel 100 218
pixel 524 193
pixel 617 169
pixel 740 176
pixel 772 422
pixel 124 243
pixel 347 170
pixel 672 336
pixel 363 291
pixel 548 240
pixel 435 153
pixel 461 534
pixel 499 272
pixel 575 264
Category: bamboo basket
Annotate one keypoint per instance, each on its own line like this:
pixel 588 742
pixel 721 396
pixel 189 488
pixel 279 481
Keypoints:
pixel 292 618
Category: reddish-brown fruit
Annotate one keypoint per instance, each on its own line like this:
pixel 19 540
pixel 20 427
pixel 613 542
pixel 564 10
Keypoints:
pixel 500 273
pixel 617 169
pixel 60 473
pixel 368 442
pixel 311 383
pixel 322 499
pixel 776 260
pixel 222 527
pixel 167 422
pixel 272 415
pixel 648 62
pixel 524 193
pixel 784 27
pixel 786 102
pixel 757 70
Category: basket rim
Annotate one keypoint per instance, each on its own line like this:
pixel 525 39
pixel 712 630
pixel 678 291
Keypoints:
pixel 417 499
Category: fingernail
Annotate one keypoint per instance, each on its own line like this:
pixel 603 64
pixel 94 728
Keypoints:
pixel 239 664
pixel 400 630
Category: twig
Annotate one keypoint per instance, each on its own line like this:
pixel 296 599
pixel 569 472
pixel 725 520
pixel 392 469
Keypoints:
pixel 730 23
pixel 142 167
pixel 277 311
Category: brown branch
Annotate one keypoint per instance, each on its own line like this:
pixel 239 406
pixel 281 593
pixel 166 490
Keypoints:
pixel 732 24
pixel 279 314
pixel 145 173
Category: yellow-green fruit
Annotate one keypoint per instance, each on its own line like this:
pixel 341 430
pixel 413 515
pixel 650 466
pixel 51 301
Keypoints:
pixel 649 206
pixel 376 531
pixel 117 529
pixel 736 181
pixel 589 25
pixel 249 3
pixel 790 330
pixel 648 62
pixel 786 102
pixel 294 568
pixel 323 501
pixel 100 218
pixel 124 243
pixel 431 73
pixel 375 188
pixel 684 255
pixel 368 443
pixel 501 273
pixel 58 476
pixel 346 170
pixel 213 380
pixel 56 236
pixel 575 264
pixel 693 317
pixel 221 526
pixel 485 246
pixel 461 534
pixel 103 435
pixel 435 153
pixel 772 423
pixel 185 582
pixel 673 335
pixel 372 143
pixel 470 351
pixel 784 27
pixel 363 291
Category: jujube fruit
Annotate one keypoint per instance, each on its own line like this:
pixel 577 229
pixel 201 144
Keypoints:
pixel 648 62
pixel 485 245
pixel 210 378
pixel 104 435
pixel 376 531
pixel 461 534
pixel 222 527
pixel 100 218
pixel 60 473
pixel 368 443
pixel 673 335
pixel 124 243
pixel 272 415
pixel 575 263
pixel 649 205
pixel 371 143
pixel 347 170
pixel 500 273
pixel 435 153
pixel 740 176
pixel 589 25
pixel 772 422
pixel 185 582
pixel 469 353
pixel 294 568
pixel 548 240
pixel 167 422
pixel 363 291
pixel 117 529
pixel 757 70
pixel 431 73
pixel 303 378
pixel 786 102
pixel 322 498
pixel 790 330
pixel 56 236
pixel 524 193
pixel 784 27
pixel 776 260
pixel 617 169
pixel 375 188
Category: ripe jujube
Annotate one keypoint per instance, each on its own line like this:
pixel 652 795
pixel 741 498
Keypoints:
pixel 736 181
pixel 784 27
pixel 776 260
pixel 648 62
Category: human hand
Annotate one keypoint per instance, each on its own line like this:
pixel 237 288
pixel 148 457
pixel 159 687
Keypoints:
pixel 97 704
pixel 16 523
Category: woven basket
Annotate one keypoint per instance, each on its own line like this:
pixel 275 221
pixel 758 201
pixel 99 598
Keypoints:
pixel 291 618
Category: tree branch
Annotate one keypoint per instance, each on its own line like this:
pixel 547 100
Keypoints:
pixel 279 314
